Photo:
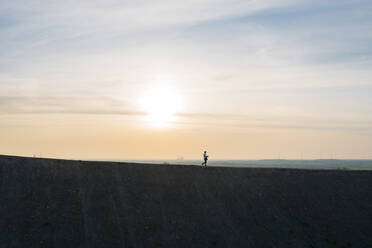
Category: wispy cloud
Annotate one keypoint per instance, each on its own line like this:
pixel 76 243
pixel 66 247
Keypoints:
pixel 107 106
pixel 64 105
pixel 302 122
pixel 258 56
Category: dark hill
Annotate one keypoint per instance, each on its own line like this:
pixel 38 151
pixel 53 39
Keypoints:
pixel 60 203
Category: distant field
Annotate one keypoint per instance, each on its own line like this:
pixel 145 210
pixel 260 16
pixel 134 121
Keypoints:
pixel 62 203
pixel 276 163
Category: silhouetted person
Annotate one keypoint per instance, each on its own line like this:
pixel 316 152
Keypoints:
pixel 205 156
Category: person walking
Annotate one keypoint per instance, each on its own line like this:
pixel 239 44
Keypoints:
pixel 205 156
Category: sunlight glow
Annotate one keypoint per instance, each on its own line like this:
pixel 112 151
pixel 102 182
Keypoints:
pixel 161 103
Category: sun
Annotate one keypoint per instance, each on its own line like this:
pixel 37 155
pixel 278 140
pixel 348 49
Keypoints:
pixel 161 103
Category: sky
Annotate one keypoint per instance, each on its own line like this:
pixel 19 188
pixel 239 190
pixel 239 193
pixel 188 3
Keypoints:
pixel 169 79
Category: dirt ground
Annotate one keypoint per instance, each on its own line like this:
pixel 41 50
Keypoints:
pixel 60 203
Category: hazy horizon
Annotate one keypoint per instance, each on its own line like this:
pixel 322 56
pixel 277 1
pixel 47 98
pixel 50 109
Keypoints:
pixel 183 160
pixel 307 164
pixel 166 79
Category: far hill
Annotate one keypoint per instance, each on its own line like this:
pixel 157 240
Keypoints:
pixel 61 203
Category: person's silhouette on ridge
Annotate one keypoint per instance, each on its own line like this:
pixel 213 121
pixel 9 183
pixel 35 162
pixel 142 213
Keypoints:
pixel 205 156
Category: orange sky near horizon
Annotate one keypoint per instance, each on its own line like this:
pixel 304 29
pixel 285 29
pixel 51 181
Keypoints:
pixel 115 137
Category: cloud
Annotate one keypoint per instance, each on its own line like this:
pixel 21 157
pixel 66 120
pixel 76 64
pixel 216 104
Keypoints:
pixel 334 123
pixel 64 105
pixel 258 56
pixel 101 106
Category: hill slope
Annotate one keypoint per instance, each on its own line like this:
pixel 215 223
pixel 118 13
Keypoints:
pixel 60 203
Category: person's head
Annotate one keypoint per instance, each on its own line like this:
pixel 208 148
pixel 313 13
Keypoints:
pixel 205 151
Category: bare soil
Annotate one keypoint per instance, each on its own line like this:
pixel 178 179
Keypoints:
pixel 61 203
